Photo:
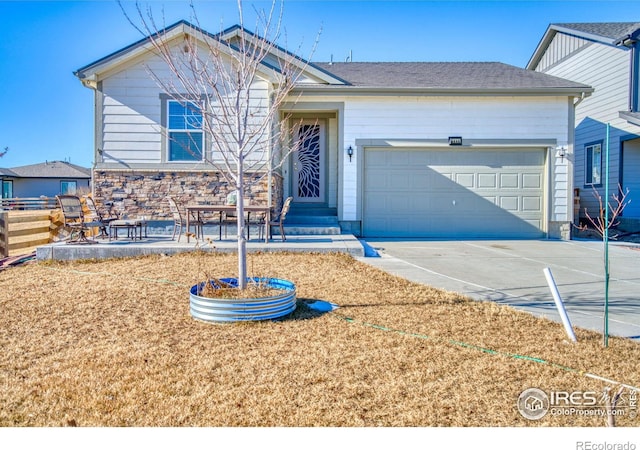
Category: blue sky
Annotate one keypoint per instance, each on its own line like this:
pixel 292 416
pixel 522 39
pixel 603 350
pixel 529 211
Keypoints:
pixel 46 114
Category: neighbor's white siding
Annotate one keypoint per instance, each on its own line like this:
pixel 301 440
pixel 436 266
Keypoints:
pixel 607 69
pixel 482 117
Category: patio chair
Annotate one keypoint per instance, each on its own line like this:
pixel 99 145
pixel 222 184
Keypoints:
pixel 74 219
pixel 97 215
pixel 228 217
pixel 279 219
pixel 180 221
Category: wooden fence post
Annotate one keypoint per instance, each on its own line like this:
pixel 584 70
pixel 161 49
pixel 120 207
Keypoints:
pixel 4 234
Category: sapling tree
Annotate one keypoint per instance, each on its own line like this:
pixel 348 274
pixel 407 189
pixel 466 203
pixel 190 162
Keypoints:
pixel 609 212
pixel 233 89
pixel 614 207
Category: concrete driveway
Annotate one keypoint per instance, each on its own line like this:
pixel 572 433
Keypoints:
pixel 512 273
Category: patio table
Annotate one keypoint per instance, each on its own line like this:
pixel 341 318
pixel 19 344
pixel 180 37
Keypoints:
pixel 134 227
pixel 222 209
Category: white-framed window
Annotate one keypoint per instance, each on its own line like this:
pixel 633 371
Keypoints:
pixel 68 187
pixel 593 172
pixel 7 189
pixel 184 131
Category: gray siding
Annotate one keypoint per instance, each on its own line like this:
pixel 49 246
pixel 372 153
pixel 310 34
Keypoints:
pixel 607 69
pixel 49 187
pixel 562 46
pixel 132 133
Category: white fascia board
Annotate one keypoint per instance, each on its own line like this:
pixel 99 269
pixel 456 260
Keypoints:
pixel 585 35
pixel 632 118
pixel 541 48
pixel 92 74
pixel 107 64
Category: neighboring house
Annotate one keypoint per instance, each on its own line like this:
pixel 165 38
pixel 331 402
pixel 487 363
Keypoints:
pixel 46 179
pixel 605 56
pixel 405 149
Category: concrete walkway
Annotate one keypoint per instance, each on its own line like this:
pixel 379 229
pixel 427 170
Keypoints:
pixel 512 273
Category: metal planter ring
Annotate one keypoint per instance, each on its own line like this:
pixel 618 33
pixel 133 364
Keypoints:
pixel 244 309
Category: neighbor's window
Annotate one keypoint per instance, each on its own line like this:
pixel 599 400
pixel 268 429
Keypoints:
pixel 185 131
pixel 594 164
pixel 68 187
pixel 7 189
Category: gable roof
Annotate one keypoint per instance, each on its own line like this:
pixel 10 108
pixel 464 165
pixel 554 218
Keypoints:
pixel 90 72
pixel 608 33
pixel 7 173
pixel 434 77
pixel 48 169
pixel 427 77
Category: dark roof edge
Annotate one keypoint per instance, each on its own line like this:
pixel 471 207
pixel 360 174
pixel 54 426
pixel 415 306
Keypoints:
pixel 217 36
pixel 79 72
pixel 361 90
pixel 555 28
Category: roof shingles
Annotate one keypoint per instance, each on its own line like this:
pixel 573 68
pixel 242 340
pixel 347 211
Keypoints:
pixel 50 169
pixel 609 30
pixel 444 75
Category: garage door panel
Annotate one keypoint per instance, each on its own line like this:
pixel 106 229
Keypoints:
pixel 487 180
pixel 466 179
pixel 509 181
pixel 510 203
pixel 531 181
pixel 440 193
pixel 532 204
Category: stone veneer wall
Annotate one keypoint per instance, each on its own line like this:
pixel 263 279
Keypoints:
pixel 143 193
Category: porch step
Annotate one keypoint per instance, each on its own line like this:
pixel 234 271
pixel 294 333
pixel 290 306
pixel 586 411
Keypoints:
pixel 311 220
pixel 298 209
pixel 300 230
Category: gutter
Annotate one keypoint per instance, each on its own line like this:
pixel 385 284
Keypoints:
pixel 630 42
pixel 368 90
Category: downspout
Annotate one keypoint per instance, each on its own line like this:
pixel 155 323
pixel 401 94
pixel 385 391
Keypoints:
pixel 630 43
pixel 270 157
pixel 633 91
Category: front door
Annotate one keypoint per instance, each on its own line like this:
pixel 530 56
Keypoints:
pixel 309 176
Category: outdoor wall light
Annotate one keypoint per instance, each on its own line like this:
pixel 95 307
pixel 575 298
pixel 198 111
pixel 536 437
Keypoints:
pixel 350 152
pixel 562 152
pixel 455 140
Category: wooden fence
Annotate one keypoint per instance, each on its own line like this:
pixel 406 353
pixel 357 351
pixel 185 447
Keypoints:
pixel 21 231
pixel 28 203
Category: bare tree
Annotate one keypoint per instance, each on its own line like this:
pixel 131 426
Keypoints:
pixel 613 210
pixel 236 88
pixel 609 212
pixel 4 152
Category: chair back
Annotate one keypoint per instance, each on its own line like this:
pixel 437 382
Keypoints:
pixel 91 207
pixel 71 208
pixel 285 209
pixel 173 206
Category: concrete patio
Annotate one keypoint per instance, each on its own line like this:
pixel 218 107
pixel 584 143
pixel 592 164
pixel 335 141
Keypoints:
pixel 163 244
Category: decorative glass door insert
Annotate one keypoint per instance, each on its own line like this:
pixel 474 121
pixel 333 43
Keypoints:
pixel 309 164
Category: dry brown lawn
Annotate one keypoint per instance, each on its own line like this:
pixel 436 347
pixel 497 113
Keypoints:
pixel 112 343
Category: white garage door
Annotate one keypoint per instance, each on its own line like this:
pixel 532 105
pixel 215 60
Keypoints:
pixel 453 193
